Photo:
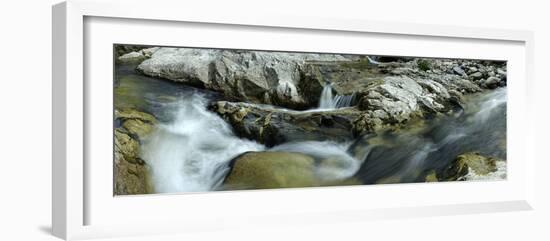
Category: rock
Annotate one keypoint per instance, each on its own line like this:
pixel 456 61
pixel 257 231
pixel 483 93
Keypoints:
pixel 132 57
pixel 501 72
pixel 121 49
pixel 386 93
pixel 260 170
pixel 466 163
pixel 345 77
pixel 491 82
pixel 137 56
pixel 476 76
pixel 252 76
pixel 397 97
pixel 131 174
pixel 400 98
pixel 477 163
pixel 137 123
pixel 431 177
pixel 458 70
pixel 126 114
pixel 148 52
pixel 138 127
pixel 272 126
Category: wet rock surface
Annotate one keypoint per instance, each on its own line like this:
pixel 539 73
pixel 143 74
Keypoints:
pixel 259 170
pixel 272 126
pixel 467 166
pixel 131 172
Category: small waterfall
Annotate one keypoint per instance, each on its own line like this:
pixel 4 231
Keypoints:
pixel 372 61
pixel 191 153
pixel 329 102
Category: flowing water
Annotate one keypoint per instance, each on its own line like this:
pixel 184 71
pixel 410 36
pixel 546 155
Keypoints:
pixel 403 155
pixel 192 147
pixel 191 152
pixel 329 102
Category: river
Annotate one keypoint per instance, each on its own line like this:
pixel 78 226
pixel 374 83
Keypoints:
pixel 192 147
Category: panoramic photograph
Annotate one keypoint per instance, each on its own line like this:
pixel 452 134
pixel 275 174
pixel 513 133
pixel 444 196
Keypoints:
pixel 190 120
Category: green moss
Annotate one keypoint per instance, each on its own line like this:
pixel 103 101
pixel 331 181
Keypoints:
pixel 479 164
pixel 424 65
pixel 260 170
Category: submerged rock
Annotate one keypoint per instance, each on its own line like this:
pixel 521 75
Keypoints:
pixel 272 126
pixel 131 172
pixel 260 170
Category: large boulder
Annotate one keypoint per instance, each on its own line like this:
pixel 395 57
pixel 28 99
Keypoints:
pixel 252 76
pixel 260 170
pixel 397 99
pixel 272 126
pixel 131 172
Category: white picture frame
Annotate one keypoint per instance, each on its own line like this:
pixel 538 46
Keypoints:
pixel 75 197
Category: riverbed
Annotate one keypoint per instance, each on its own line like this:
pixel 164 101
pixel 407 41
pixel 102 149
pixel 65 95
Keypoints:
pixel 192 147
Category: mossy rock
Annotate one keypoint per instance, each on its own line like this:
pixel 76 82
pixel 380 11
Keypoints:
pixel 261 170
pixel 431 176
pixel 135 114
pixel 131 172
pixel 137 123
pixel 138 127
pixel 463 164
pixel 126 146
pixel 424 64
pixel 481 165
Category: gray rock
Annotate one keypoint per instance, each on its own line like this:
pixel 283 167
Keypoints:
pixel 253 76
pixel 400 98
pixel 137 56
pixel 132 57
pixel 272 126
pixel 491 82
pixel 458 70
pixel 476 76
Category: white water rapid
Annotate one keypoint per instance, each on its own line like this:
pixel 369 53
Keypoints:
pixel 192 153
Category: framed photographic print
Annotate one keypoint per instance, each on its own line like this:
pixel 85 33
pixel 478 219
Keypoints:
pixel 280 118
